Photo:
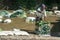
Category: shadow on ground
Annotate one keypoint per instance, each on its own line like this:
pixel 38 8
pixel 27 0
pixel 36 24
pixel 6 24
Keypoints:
pixel 55 30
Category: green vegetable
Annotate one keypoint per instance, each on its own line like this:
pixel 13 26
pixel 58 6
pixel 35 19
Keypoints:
pixel 43 27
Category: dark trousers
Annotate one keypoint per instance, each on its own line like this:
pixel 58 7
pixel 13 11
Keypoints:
pixel 37 23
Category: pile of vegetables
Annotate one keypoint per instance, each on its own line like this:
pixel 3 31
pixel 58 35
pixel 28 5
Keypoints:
pixel 43 27
pixel 18 13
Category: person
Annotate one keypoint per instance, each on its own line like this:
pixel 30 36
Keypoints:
pixel 43 11
pixel 40 15
pixel 38 18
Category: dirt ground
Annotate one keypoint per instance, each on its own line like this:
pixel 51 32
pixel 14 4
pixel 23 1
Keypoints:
pixel 21 24
pixel 18 23
pixel 31 37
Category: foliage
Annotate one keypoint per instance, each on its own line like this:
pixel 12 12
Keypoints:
pixel 16 4
pixel 3 12
pixel 28 4
pixel 1 0
pixel 43 27
pixel 19 13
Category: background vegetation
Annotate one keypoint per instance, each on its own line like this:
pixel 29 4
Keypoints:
pixel 28 4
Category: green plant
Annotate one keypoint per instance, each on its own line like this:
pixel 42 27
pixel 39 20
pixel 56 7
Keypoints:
pixel 43 27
